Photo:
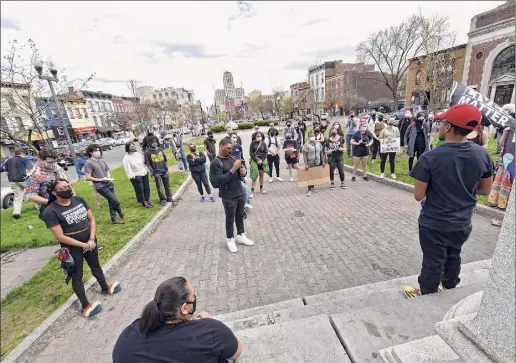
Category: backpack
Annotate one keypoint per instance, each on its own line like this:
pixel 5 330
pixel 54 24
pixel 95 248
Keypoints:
pixel 275 142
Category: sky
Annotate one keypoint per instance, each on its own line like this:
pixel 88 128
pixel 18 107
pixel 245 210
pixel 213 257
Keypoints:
pixel 266 45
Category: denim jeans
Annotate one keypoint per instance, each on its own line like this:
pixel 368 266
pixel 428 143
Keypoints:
pixel 246 192
pixel 348 144
pixel 163 179
pixel 108 192
pixel 183 159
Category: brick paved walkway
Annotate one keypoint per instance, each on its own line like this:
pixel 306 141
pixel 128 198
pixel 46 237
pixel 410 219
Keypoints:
pixel 304 246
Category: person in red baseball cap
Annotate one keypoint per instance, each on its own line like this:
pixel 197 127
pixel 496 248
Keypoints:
pixel 448 180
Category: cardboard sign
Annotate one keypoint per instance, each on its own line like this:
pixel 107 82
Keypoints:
pixel 313 176
pixel 390 145
pixel 493 112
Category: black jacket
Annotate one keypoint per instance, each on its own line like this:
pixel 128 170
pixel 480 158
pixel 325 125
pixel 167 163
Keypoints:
pixel 209 145
pixel 16 169
pixel 258 150
pixel 228 183
pixel 196 164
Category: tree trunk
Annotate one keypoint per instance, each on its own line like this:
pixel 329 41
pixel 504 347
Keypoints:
pixel 395 101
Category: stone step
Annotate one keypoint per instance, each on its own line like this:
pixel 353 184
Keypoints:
pixel 304 340
pixel 366 331
pixel 260 310
pixel 349 303
pixel 383 285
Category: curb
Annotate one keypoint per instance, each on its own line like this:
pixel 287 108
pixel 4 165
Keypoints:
pixel 37 340
pixel 480 209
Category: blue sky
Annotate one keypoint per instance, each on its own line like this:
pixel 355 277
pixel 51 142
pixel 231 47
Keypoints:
pixel 265 45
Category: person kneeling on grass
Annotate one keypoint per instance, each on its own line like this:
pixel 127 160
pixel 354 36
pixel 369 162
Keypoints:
pixel 70 220
pixel 168 331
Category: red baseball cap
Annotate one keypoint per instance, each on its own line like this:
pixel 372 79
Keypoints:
pixel 462 115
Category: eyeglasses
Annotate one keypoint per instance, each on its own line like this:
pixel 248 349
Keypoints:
pixel 192 302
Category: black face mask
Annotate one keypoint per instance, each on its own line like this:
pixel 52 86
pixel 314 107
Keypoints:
pixel 211 137
pixel 194 305
pixel 288 125
pixel 333 133
pixel 316 132
pixel 193 149
pixel 65 194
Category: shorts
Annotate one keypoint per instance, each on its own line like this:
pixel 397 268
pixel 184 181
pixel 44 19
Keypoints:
pixel 360 152
pixel 292 161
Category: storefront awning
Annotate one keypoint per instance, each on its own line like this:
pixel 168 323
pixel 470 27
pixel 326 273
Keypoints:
pixel 84 130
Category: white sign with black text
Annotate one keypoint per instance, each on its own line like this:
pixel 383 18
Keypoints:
pixel 390 145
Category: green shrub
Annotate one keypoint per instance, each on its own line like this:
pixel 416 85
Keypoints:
pixel 264 122
pixel 218 128
pixel 245 125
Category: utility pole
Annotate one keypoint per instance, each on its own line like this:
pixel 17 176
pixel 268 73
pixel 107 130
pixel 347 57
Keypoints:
pixel 38 66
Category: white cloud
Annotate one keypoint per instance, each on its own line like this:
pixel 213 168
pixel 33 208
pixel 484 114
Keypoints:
pixel 190 44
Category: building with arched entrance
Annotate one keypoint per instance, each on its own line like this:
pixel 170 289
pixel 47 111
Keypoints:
pixel 490 54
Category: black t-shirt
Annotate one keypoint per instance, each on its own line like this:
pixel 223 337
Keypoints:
pixel 365 136
pixel 195 341
pixel 334 146
pixel 453 173
pixel 72 218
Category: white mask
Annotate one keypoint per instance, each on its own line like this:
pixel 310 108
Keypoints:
pixel 312 138
pixel 259 138
pixel 96 154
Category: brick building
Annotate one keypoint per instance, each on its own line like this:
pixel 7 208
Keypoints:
pixel 300 93
pixel 489 62
pixel 417 88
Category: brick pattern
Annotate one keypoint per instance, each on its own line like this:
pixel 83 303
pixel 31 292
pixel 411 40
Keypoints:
pixel 333 240
pixel 476 66
pixel 494 17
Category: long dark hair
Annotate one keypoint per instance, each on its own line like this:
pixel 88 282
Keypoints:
pixel 128 145
pixel 169 297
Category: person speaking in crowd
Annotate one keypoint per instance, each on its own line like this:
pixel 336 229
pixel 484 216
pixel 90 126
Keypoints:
pixel 313 155
pixel 416 139
pixel 169 330
pixel 197 163
pixel 448 180
pixel 238 154
pixel 504 170
pixel 377 127
pixel 135 169
pixel 97 171
pixel 351 128
pixel 16 168
pixel 403 126
pixel 290 130
pixel 361 140
pixel 45 171
pixel 291 148
pixel 209 145
pixel 273 158
pixel 258 152
pixel 302 131
pixel 156 161
pixel 72 223
pixel 335 151
pixel 479 136
pixel 388 133
pixel 225 174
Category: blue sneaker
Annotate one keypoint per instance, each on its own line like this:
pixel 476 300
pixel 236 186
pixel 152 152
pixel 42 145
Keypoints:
pixel 203 198
pixel 212 199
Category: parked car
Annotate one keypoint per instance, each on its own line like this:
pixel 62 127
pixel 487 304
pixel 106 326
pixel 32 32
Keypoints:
pixel 324 116
pixel 6 197
pixel 64 153
pixel 106 144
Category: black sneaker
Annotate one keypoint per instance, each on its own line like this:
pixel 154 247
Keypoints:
pixel 163 203
pixel 332 186
pixel 365 178
pixel 16 216
pixel 353 179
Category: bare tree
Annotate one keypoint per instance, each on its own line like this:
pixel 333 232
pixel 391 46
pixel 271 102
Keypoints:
pixel 390 48
pixel 21 87
pixel 255 106
pixel 143 110
pixel 436 74
pixel 287 107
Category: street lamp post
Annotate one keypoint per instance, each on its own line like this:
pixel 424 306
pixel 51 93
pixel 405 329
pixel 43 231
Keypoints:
pixel 53 71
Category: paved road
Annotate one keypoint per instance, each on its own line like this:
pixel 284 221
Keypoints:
pixel 304 246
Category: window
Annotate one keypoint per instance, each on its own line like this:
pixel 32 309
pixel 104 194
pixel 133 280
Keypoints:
pixel 479 55
pixel 503 63
pixel 489 92
pixel 110 107
pixel 95 120
pixel 70 113
pixel 78 113
pixel 10 101
pixel 160 96
pixel 19 123
pixel 154 96
pixel 166 94
pixel 418 77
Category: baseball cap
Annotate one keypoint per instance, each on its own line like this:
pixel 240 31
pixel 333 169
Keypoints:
pixel 462 115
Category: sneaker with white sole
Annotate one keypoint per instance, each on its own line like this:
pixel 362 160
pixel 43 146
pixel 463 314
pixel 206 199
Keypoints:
pixel 309 194
pixel 382 175
pixel 270 180
pixel 231 245
pixel 263 191
pixel 279 179
pixel 393 176
pixel 248 206
pixel 242 239
pixel 291 178
pixel 251 195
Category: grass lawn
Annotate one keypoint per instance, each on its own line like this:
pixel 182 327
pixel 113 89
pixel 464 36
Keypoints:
pixel 402 172
pixel 27 306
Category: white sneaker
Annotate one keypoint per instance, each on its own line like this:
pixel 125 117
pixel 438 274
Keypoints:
pixel 270 180
pixel 231 245
pixel 251 195
pixel 242 239
pixel 393 176
pixel 309 194
pixel 248 206
pixel 263 191
pixel 291 178
pixel 382 175
pixel 279 179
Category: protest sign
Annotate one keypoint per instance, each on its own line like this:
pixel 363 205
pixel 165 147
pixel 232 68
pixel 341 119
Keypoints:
pixel 313 176
pixel 494 113
pixel 390 145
